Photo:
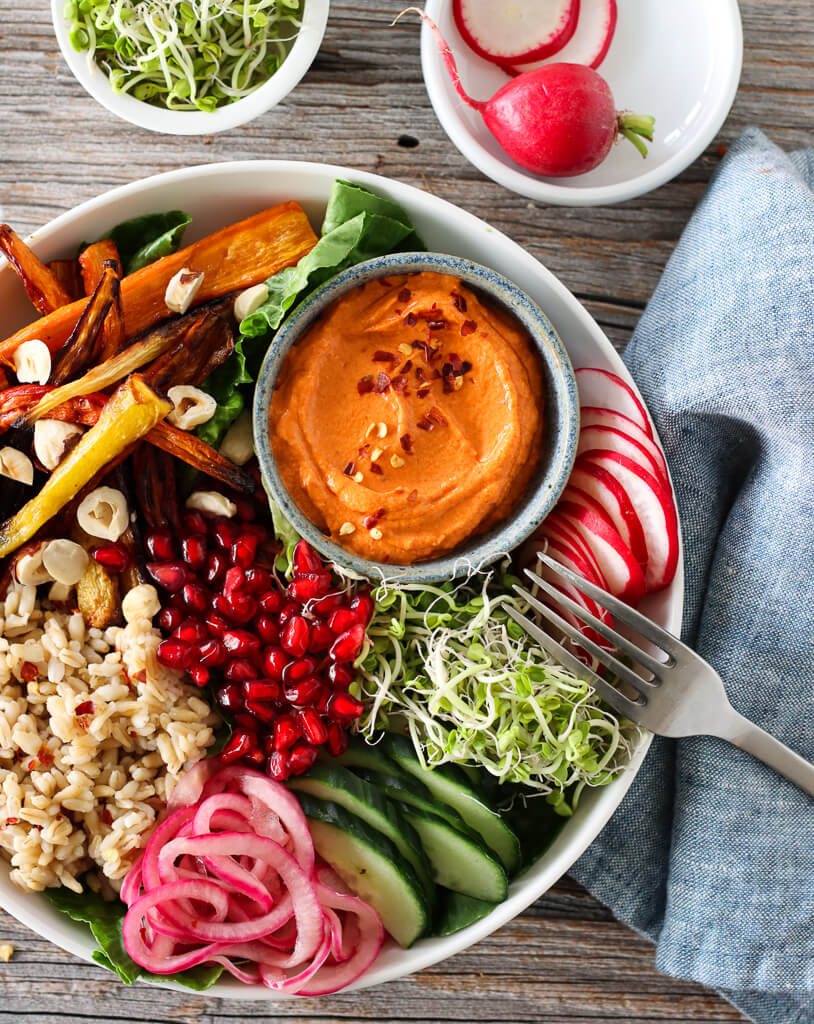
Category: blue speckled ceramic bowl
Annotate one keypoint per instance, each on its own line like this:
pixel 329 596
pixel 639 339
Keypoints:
pixel 561 412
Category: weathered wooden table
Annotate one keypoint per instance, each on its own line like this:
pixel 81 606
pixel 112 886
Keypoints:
pixel 363 104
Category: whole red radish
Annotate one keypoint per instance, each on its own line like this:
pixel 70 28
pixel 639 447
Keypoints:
pixel 557 120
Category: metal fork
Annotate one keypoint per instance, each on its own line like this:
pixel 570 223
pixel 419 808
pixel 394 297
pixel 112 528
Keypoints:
pixel 680 695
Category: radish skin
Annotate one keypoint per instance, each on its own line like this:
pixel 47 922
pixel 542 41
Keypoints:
pixel 590 42
pixel 557 121
pixel 501 31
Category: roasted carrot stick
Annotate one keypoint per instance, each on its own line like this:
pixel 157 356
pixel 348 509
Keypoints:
pixel 81 350
pixel 40 283
pixel 201 456
pixel 233 258
pixel 68 274
pixel 94 260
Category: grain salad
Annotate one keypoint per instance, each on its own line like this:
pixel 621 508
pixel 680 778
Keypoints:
pixel 94 733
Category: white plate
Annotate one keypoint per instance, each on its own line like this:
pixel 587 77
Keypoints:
pixel 216 195
pixel 196 122
pixel 679 62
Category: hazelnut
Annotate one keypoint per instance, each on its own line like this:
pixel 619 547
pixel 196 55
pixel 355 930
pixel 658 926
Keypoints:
pixel 250 301
pixel 192 407
pixel 32 362
pixel 140 603
pixel 53 439
pixel 29 570
pixel 238 446
pixel 16 465
pixel 182 289
pixel 103 513
pixel 65 561
pixel 211 502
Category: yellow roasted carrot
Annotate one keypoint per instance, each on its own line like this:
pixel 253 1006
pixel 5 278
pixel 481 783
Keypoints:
pixel 233 258
pixel 132 411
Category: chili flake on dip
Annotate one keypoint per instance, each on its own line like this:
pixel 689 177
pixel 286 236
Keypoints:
pixel 408 418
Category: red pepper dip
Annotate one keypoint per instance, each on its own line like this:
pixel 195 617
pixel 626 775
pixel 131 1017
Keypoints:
pixel 408 419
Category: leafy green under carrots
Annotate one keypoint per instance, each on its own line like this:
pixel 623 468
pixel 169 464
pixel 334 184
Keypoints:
pixel 358 226
pixel 105 921
pixel 144 240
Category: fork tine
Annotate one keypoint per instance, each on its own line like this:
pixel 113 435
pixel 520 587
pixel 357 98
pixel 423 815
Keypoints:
pixel 602 656
pixel 608 693
pixel 649 630
pixel 646 660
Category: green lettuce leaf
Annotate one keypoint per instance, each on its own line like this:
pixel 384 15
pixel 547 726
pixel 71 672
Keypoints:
pixel 143 240
pixel 105 920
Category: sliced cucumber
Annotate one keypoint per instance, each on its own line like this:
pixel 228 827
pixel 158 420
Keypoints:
pixel 371 759
pixel 453 788
pixel 371 867
pixel 408 790
pixel 456 912
pixel 333 782
pixel 459 862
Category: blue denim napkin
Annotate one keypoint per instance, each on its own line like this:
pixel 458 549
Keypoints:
pixel 711 854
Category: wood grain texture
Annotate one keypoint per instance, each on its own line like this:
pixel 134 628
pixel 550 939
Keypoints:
pixel 565 960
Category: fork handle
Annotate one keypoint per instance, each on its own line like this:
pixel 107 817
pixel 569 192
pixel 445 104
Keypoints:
pixel 762 745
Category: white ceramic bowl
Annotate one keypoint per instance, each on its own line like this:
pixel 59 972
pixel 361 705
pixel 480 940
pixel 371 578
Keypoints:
pixel 196 122
pixel 216 195
pixel 679 62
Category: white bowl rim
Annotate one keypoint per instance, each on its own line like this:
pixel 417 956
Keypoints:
pixel 197 122
pixel 539 877
pixel 526 184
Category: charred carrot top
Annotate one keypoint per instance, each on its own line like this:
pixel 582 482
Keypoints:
pixel 236 257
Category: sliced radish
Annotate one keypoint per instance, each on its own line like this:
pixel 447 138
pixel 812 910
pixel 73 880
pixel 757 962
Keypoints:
pixel 589 416
pixel 511 31
pixel 612 497
pixel 593 438
pixel 604 389
pixel 557 527
pixel 615 559
pixel 591 39
pixel 654 507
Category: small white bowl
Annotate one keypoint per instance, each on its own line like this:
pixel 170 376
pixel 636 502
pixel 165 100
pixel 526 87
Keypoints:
pixel 196 122
pixel 679 62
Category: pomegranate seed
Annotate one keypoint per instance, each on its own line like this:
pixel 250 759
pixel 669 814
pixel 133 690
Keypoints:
pixel 267 713
pixel 298 669
pixel 267 629
pixel 306 692
pixel 216 624
pixel 277 766
pixel 224 533
pixel 241 606
pixel 169 619
pixel 196 598
pixel 174 654
pixel 301 757
pixel 115 557
pixel 274 662
pixel 244 549
pixel 262 689
pixel 342 707
pixel 194 522
pixel 348 645
pixel 191 631
pixel 341 620
pixel 258 580
pixel 256 756
pixel 246 510
pixel 309 587
pixel 294 638
pixel 241 642
pixel 337 739
pixel 305 559
pixel 238 745
pixel 313 728
pixel 193 551
pixel 321 637
pixel 340 676
pixel 286 732
pixel 245 721
pixel 169 575
pixel 211 653
pixel 230 697
pixel 287 613
pixel 160 545
pixel 326 605
pixel 268 743
pixel 199 675
pixel 362 607
pixel 271 602
pixel 216 565
pixel 239 670
pixel 235 579
pixel 87 707
pixel 322 704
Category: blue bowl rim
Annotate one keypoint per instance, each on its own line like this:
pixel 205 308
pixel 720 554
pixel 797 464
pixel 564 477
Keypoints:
pixel 486 548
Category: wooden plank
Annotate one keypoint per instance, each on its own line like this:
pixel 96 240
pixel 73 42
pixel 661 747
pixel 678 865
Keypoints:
pixel 364 104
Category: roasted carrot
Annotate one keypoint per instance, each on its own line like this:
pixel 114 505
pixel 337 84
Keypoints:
pixel 94 260
pixel 68 274
pixel 208 343
pixel 236 257
pixel 81 350
pixel 41 284
pixel 16 401
pixel 201 456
